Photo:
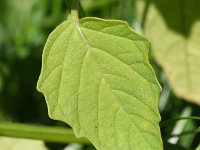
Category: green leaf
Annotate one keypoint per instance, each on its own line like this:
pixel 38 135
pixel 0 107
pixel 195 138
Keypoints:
pixel 173 28
pixel 96 77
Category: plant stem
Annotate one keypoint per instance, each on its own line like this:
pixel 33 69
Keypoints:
pixel 74 8
pixel 50 134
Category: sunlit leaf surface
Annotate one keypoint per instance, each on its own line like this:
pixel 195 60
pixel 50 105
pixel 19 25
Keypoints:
pixel 96 77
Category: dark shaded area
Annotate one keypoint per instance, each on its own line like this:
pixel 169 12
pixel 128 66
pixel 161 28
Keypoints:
pixel 179 15
pixel 24 27
pixel 168 146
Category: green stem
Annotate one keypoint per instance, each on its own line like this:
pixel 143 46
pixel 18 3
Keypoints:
pixel 50 134
pixel 167 122
pixel 74 8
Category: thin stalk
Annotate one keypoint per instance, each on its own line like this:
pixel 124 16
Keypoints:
pixel 50 134
pixel 74 9
pixel 170 121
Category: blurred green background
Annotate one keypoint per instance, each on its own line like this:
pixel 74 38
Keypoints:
pixel 24 28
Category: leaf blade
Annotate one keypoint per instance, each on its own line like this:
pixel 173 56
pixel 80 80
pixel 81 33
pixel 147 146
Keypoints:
pixel 97 77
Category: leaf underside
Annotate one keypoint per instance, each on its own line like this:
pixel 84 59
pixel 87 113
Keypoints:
pixel 96 77
pixel 174 34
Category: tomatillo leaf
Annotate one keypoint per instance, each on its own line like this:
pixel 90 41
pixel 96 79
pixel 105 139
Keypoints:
pixel 96 77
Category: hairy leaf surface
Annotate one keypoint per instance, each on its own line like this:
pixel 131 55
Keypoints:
pixel 96 77
pixel 173 28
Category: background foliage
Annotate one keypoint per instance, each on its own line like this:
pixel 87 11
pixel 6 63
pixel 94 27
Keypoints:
pixel 24 27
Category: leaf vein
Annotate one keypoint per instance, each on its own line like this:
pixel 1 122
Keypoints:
pixel 129 66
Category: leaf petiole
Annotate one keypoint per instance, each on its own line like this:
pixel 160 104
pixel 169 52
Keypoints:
pixel 74 9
